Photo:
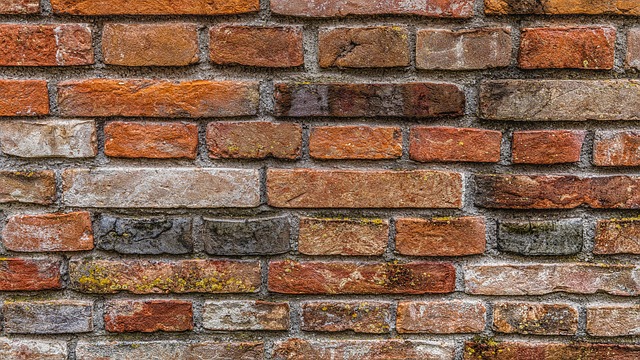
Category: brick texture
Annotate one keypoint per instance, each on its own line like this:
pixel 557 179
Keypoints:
pixel 48 232
pixel 151 140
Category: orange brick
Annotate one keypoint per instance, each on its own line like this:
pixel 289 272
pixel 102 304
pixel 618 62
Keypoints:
pixel 254 140
pixel 24 98
pixel 355 142
pixel 156 7
pixel 151 140
pixel 442 144
pixel 547 146
pixel 49 232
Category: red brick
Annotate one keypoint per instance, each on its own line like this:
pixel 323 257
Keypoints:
pixel 468 49
pixel 414 100
pixel 151 140
pixel 30 274
pixel 48 232
pixel 92 349
pixel 299 349
pixel 616 148
pixel 567 47
pixel 306 188
pixel 18 349
pixel 148 315
pixel 442 144
pixel 339 8
pixel 262 46
pixel 441 317
pixel 157 7
pixel 509 350
pixel 168 44
pixel 617 236
pixel 547 146
pixel 45 45
pixel 561 7
pixel 290 277
pixel 355 142
pixel 441 237
pixel 539 279
pixel 535 318
pixel 613 320
pixel 335 316
pixel 24 98
pixel 30 187
pixel 343 236
pixel 157 98
pixel 254 140
pixel 163 277
pixel 364 47
pixel 633 48
pixel 557 192
pixel 20 7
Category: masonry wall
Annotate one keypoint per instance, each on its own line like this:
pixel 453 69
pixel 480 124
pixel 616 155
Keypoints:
pixel 319 179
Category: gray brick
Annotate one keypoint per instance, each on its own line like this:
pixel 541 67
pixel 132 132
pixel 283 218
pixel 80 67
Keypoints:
pixel 541 237
pixel 246 236
pixel 48 317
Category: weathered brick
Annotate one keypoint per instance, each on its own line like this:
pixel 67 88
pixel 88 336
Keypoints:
pixel 441 144
pixel 229 237
pixel 364 47
pixel 441 317
pixel 299 349
pixel 338 8
pixel 162 277
pixel 154 140
pixel 48 232
pixel 541 237
pixel 161 187
pixel 547 146
pixel 168 44
pixel 51 138
pixel 633 48
pixel 355 142
pixel 24 98
pixel 29 274
pixel 539 279
pixel 158 7
pixel 45 45
pixel 306 188
pixel 343 236
pixel 560 100
pixel 20 349
pixel 510 350
pixel 441 236
pixel 245 315
pixel 613 320
pixel 48 317
pixel 20 7
pixel 416 100
pixel 335 316
pixel 561 7
pixel 153 236
pixel 314 277
pixel 101 350
pixel 617 236
pixel 34 187
pixel 535 318
pixel 468 49
pixel 616 148
pixel 148 315
pixel 567 47
pixel 156 98
pixel 264 46
pixel 254 140
pixel 557 192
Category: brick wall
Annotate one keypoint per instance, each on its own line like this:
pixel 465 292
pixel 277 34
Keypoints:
pixel 319 179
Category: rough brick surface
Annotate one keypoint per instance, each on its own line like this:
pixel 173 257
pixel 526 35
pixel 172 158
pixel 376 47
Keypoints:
pixel 148 316
pixel 30 274
pixel 370 47
pixel 561 7
pixel 161 7
pixel 92 350
pixel 145 236
pixel 48 232
pixel 535 318
pixel 337 316
pixel 157 98
pixel 565 47
pixel 228 237
pixel 439 317
pixel 18 349
pixel 338 8
pixel 151 140
pixel 52 138
pixel 363 189
pixel 541 237
pixel 617 236
pixel 547 146
pixel 613 320
pixel 20 7
pixel 633 48
pixel 441 237
pixel 616 148
pixel 254 140
pixel 319 236
pixel 278 47
pixel 48 317
pixel 355 142
pixel 472 49
pixel 24 98
pixel 245 315
pixel 150 44
pixel 32 187
pixel 442 144
pixel 510 350
pixel 45 45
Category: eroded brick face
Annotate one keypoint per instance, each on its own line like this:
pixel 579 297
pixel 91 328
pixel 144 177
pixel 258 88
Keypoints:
pixel 319 179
